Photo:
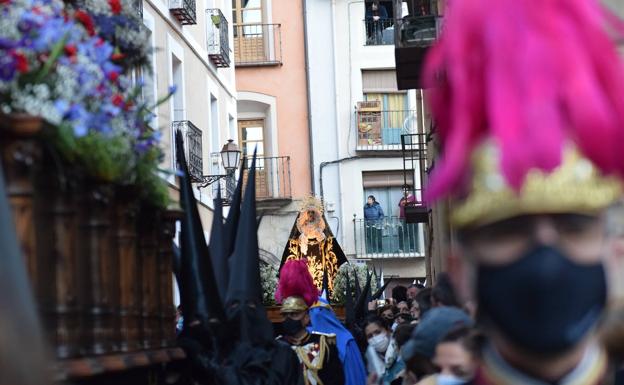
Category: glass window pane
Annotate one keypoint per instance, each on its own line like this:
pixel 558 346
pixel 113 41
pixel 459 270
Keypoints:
pixel 252 3
pixel 252 16
pixel 260 148
pixel 254 133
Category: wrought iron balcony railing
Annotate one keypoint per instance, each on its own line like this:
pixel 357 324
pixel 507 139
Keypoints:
pixel 390 237
pixel 192 148
pixel 273 179
pixel 379 32
pixel 184 10
pixel 217 38
pixel 257 44
pixel 418 31
pixel 382 130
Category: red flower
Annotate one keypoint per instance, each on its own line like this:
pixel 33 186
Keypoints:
pixel 115 6
pixel 117 100
pixel 86 20
pixel 21 63
pixel 70 50
pixel 113 75
pixel 117 56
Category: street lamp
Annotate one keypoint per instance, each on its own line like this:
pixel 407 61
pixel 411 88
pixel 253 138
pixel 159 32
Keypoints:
pixel 230 155
pixel 230 159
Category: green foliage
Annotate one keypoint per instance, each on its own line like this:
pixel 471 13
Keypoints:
pixel 268 277
pixel 340 282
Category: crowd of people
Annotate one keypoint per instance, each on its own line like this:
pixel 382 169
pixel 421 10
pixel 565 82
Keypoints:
pixel 403 334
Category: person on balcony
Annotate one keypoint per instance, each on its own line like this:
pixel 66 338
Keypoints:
pixel 406 230
pixel 376 21
pixel 373 217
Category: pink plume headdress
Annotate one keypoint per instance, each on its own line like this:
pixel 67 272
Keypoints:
pixel 530 75
pixel 295 280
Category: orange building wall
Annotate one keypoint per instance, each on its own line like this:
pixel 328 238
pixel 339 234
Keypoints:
pixel 287 83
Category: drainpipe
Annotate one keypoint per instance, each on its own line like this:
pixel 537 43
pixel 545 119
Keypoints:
pixel 308 93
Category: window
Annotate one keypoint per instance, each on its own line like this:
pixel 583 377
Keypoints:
pixel 391 234
pixel 214 124
pixel 246 12
pixel 178 97
pixel 251 134
pixel 387 187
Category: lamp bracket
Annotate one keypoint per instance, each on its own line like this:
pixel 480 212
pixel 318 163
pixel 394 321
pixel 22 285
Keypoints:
pixel 207 180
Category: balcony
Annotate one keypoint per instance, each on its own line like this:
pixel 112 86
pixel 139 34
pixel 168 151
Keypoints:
pixel 184 10
pixel 390 237
pixel 381 130
pixel 379 32
pixel 257 45
pixel 217 39
pixel 273 180
pixel 192 148
pixel 413 35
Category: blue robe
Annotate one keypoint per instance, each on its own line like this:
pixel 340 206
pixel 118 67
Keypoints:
pixel 324 320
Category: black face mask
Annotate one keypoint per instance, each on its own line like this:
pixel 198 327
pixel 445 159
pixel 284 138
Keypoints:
pixel 544 302
pixel 291 326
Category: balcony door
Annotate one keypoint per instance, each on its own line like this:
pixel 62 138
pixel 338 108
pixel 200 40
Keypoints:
pixel 249 35
pixel 251 134
pixel 394 115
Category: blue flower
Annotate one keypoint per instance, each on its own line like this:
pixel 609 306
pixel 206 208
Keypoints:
pixel 79 118
pixel 8 67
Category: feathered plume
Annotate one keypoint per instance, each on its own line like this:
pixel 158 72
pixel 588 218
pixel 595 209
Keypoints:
pixel 295 279
pixel 529 77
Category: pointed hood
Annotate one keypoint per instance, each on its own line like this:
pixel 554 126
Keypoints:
pixel 231 222
pixel 244 284
pixel 361 305
pixel 200 298
pixel 349 311
pixel 217 247
pixel 382 289
pixel 358 287
pixel 20 323
pixel 325 294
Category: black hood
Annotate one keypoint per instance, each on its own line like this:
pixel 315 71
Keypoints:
pixel 218 254
pixel 198 290
pixel 244 307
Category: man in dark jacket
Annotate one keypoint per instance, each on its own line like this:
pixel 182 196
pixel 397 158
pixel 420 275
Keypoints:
pixel 373 215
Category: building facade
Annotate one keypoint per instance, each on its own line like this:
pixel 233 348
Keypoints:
pixel 269 53
pixel 358 118
pixel 191 42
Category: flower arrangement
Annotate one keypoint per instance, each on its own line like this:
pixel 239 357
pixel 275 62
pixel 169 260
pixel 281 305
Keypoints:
pixel 340 282
pixel 55 65
pixel 118 22
pixel 268 278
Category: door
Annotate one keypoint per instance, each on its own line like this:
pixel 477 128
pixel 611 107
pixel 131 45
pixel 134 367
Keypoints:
pixel 251 134
pixel 249 31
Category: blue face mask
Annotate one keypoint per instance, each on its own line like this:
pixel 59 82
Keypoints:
pixel 180 324
pixel 544 302
pixel 448 379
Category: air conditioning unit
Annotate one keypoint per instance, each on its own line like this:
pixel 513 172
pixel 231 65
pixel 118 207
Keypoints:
pixel 369 123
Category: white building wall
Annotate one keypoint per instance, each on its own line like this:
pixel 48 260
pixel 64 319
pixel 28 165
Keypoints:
pixel 201 79
pixel 337 57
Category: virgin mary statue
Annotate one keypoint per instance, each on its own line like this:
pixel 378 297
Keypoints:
pixel 311 238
